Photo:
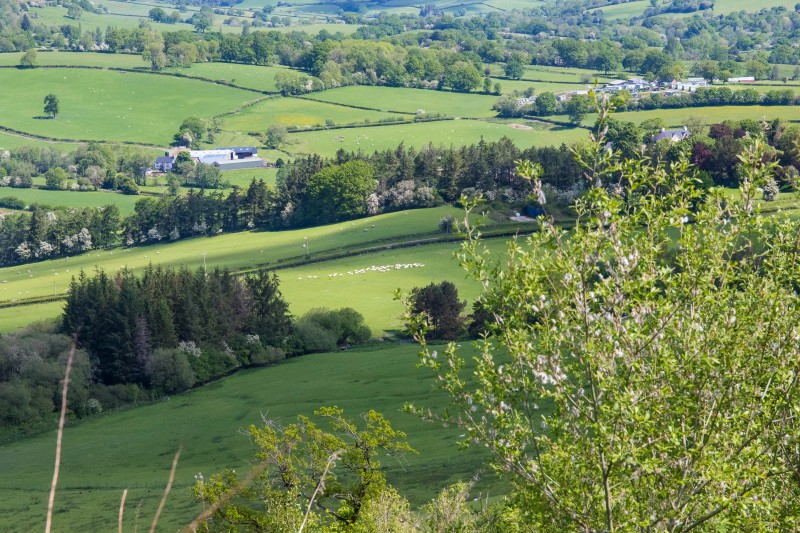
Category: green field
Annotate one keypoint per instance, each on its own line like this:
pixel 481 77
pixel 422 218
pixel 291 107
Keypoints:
pixel 124 202
pixel 447 132
pixel 235 250
pixel 257 77
pixel 10 140
pixel 676 117
pixel 371 293
pixel 82 59
pixel 108 105
pixel 298 113
pixel 57 16
pixel 627 10
pixel 723 7
pixel 134 449
pixel 411 100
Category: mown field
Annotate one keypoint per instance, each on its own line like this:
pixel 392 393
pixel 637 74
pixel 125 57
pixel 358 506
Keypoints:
pixel 295 112
pixel 134 449
pixel 108 105
pixel 723 7
pixel 676 117
pixel 125 203
pixel 447 132
pixel 404 100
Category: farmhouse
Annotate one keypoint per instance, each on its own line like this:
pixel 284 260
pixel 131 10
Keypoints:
pixel 672 135
pixel 164 163
pixel 233 158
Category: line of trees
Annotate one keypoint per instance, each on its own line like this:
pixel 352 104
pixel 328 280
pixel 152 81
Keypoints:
pixel 313 190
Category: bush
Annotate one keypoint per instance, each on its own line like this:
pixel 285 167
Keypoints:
pixel 322 330
pixel 12 202
pixel 169 371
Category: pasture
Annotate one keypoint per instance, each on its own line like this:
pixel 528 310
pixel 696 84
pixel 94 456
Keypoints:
pixel 713 115
pixel 11 140
pixel 724 7
pixel 296 112
pixel 626 10
pixel 367 282
pixel 243 250
pixel 402 100
pixel 77 59
pixel 109 105
pixel 124 202
pixel 447 132
pixel 133 449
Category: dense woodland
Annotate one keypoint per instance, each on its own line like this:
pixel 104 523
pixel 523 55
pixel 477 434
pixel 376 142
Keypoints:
pixel 159 332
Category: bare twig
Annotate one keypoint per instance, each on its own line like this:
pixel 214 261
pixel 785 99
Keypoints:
pixel 320 486
pixel 58 439
pixel 166 490
pixel 122 508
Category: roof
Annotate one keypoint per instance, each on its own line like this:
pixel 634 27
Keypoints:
pixel 165 159
pixel 238 149
pixel 682 133
pixel 235 164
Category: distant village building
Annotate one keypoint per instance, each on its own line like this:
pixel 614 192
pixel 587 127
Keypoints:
pixel 672 135
pixel 234 158
pixel 742 79
pixel 632 85
pixel 164 163
pixel 690 85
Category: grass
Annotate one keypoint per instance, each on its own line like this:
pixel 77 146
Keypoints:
pixel 12 318
pixel 57 16
pixel 448 132
pixel 723 7
pixel 234 251
pixel 78 59
pixel 626 11
pixel 258 77
pixel 372 293
pixel 676 117
pixel 125 203
pixel 109 106
pixel 134 449
pixel 298 113
pixel 411 100
pixel 9 140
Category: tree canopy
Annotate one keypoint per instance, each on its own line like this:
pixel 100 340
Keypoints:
pixel 640 372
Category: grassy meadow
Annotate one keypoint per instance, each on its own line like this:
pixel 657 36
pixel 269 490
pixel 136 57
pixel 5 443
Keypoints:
pixel 125 203
pixel 134 449
pixel 241 250
pixel 108 105
pixel 447 132
pixel 403 100
pixel 298 113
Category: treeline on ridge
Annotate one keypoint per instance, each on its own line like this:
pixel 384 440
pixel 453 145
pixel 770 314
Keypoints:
pixel 310 190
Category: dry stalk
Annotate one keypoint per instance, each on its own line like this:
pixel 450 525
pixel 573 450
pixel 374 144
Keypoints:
pixel 58 439
pixel 166 490
pixel 122 508
pixel 320 486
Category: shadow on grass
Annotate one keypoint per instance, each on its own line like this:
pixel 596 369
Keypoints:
pixel 44 117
